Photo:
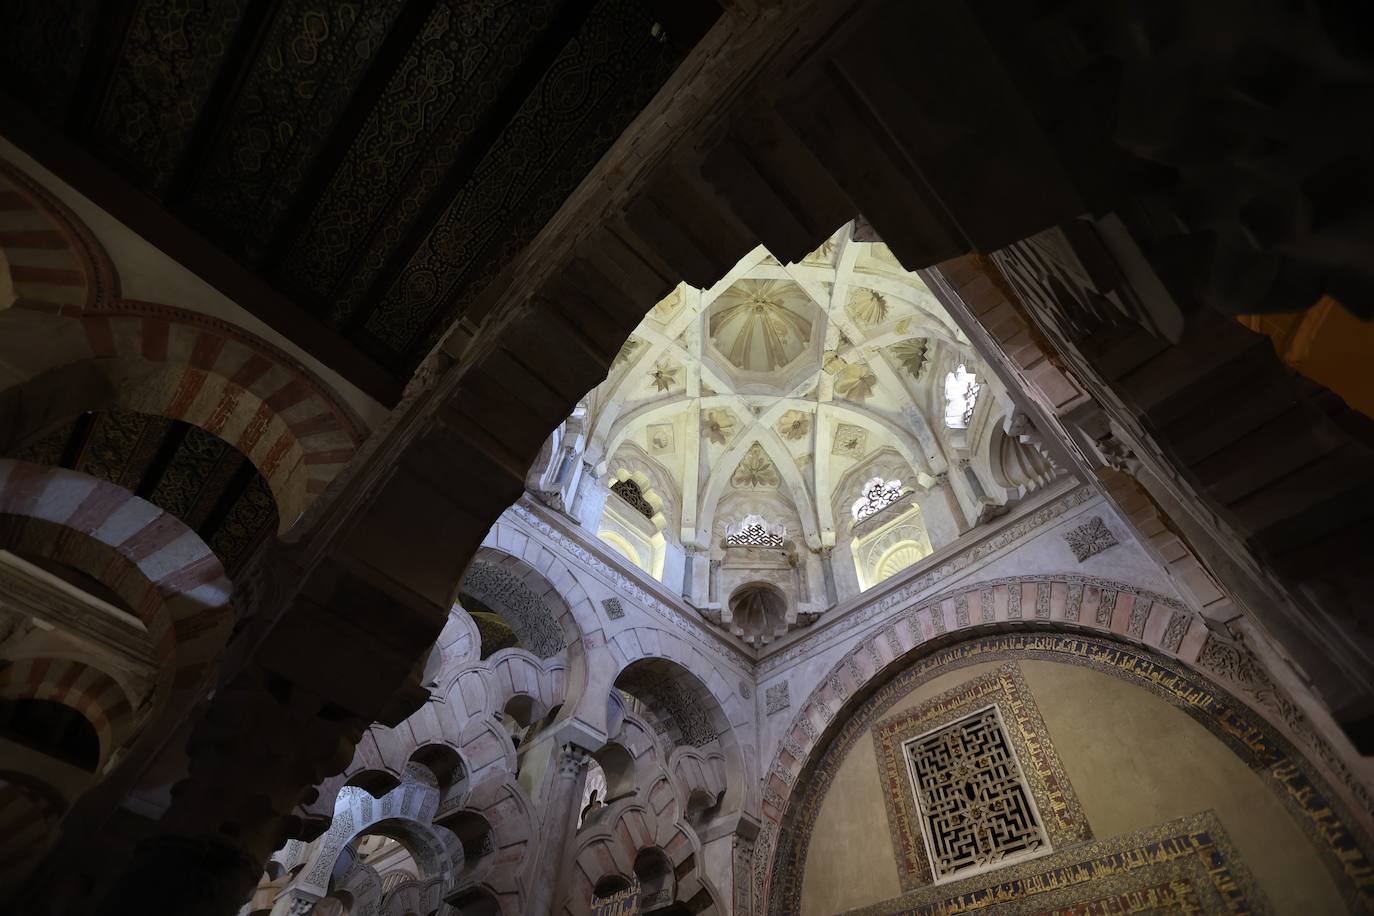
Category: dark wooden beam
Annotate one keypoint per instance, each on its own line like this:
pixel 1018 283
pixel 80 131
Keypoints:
pixel 140 213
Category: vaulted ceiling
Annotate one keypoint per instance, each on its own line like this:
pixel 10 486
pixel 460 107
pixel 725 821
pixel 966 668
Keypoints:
pixel 375 163
pixel 779 389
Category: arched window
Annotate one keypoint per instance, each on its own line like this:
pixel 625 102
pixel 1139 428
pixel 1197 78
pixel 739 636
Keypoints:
pixel 636 535
pixel 961 396
pixel 621 545
pixel 629 491
pixel 878 494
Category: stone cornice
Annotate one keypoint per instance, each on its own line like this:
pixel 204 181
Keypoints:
pixel 898 593
pixel 905 590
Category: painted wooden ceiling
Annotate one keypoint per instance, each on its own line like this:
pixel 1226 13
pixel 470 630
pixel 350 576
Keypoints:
pixel 376 162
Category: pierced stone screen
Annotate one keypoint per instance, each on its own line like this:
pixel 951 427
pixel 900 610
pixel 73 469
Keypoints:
pixel 976 811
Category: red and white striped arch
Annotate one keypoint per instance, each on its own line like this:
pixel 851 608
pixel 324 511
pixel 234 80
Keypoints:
pixel 158 567
pixel 76 685
pixel 53 261
pixel 69 322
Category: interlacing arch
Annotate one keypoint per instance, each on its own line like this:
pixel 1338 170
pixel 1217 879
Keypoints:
pixel 545 574
pixel 456 753
pixel 730 716
pixel 649 813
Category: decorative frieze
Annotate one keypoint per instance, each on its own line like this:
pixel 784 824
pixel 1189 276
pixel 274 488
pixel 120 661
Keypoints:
pixel 906 594
pixel 1174 633
pixel 1074 604
pixel 1106 606
pixel 1140 613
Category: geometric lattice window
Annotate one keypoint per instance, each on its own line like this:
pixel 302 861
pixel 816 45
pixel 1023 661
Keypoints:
pixel 976 810
pixel 629 491
pixel 753 531
pixel 878 494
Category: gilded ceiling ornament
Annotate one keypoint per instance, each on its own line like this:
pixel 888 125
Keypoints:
pixel 718 426
pixel 911 355
pixel 755 470
pixel 794 424
pixel 868 306
pixel 664 376
pixel 855 382
pixel 850 440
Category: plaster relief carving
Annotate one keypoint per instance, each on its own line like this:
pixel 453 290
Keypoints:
pixel 505 593
pixel 850 440
pixel 755 471
pixel 1090 538
pixel 777 698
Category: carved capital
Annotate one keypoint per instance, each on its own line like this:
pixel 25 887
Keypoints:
pixel 572 760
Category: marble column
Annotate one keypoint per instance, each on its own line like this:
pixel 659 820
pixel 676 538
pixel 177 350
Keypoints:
pixel 560 822
pixel 689 555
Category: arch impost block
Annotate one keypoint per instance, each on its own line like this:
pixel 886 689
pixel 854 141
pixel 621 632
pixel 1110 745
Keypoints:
pixel 742 825
pixel 579 734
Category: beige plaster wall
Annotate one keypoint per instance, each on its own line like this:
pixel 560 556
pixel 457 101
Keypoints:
pixel 1134 761
pixel 148 274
